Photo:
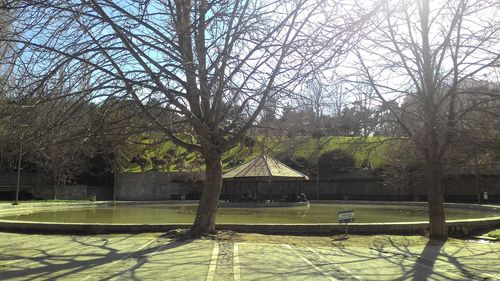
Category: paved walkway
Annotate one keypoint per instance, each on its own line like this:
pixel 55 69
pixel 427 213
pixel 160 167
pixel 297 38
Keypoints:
pixel 152 257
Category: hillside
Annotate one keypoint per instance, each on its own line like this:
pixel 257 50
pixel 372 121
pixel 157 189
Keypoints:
pixel 373 149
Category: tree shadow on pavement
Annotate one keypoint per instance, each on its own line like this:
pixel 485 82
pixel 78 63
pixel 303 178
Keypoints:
pixel 87 258
pixel 424 265
pixel 461 260
pixel 437 261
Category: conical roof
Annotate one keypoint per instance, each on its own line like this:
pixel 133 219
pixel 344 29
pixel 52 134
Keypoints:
pixel 264 167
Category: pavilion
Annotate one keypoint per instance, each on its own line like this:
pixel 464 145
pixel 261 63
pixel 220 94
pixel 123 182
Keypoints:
pixel 263 169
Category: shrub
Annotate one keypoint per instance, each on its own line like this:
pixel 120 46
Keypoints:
pixel 140 160
pixel 158 163
pixel 335 161
pixel 248 142
pixel 296 163
pixel 233 162
pixel 366 164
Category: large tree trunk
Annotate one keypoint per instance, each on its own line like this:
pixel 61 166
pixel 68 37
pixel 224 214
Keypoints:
pixel 435 191
pixel 212 184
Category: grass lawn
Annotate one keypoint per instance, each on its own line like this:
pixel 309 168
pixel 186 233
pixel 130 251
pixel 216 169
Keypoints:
pixel 494 234
pixel 375 149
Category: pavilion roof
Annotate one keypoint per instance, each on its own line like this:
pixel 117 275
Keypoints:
pixel 264 167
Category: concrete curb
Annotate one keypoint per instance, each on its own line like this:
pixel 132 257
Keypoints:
pixel 465 226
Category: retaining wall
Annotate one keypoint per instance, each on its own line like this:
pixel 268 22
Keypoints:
pixel 359 185
pixel 66 192
pixel 32 187
pixel 366 186
pixel 153 186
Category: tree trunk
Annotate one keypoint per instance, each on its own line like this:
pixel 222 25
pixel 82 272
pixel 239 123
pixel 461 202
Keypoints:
pixel 435 191
pixel 212 184
pixel 434 155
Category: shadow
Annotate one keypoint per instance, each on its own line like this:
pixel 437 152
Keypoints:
pixel 148 256
pixel 459 259
pixel 92 253
pixel 401 258
pixel 424 264
pixel 340 238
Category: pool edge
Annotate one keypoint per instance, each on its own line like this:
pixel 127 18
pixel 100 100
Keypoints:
pixel 454 226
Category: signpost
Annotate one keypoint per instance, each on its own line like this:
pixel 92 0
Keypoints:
pixel 346 216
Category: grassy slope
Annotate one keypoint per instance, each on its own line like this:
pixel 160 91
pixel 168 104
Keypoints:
pixel 372 148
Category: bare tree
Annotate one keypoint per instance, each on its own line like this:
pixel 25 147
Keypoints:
pixel 5 25
pixel 5 66
pixel 416 60
pixel 213 64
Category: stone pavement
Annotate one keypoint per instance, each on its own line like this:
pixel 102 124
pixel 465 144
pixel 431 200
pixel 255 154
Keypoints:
pixel 150 256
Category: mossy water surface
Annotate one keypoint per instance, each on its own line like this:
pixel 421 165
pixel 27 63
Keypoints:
pixel 184 213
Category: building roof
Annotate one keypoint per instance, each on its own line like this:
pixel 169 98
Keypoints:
pixel 264 167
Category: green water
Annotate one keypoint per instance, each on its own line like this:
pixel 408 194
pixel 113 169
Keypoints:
pixel 184 213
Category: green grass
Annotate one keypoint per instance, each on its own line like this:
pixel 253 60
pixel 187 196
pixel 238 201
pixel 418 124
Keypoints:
pixel 159 150
pixel 494 234
pixel 372 148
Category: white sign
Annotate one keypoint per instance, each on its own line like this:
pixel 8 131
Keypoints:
pixel 346 216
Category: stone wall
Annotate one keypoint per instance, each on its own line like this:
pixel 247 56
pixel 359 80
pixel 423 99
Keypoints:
pixel 66 192
pixel 33 187
pixel 100 193
pixel 361 188
pixel 358 185
pixel 464 187
pixel 8 183
pixel 10 178
pixel 364 185
pixel 154 186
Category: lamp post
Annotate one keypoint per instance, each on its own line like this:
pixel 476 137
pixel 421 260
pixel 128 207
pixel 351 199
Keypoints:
pixel 115 176
pixel 317 166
